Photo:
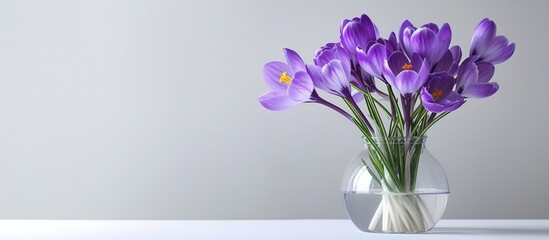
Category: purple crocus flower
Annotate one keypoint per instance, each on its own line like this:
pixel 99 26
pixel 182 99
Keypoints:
pixel 357 32
pixel 428 41
pixel 405 75
pixel 332 72
pixel 290 84
pixel 438 95
pixel 372 57
pixel 328 52
pixel 373 60
pixel 449 63
pixel 473 79
pixel 487 46
pixel 341 86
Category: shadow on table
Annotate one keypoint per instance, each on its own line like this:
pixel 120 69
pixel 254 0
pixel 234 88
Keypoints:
pixel 490 231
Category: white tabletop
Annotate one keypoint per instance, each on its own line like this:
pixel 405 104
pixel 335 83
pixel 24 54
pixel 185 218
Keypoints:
pixel 260 230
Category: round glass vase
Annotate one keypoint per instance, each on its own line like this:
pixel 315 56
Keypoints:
pixel 395 185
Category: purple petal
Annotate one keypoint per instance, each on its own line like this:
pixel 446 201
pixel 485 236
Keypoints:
pixel 271 74
pixel 404 34
pixel 453 69
pixel 484 32
pixel 433 106
pixel 431 26
pixel 507 53
pixel 453 101
pixel 501 52
pixel 494 50
pixel 424 42
pixel 351 35
pixel 423 74
pixel 488 46
pixel 429 102
pixel 406 82
pixel 372 62
pixel 396 61
pixel 445 63
pixel 358 32
pixel 456 52
pixel 361 57
pixel 294 60
pixel 276 101
pixel 407 43
pixel 301 87
pixel 323 56
pixel 444 83
pixel 480 90
pixel 388 73
pixel 450 103
pixel 406 24
pixel 343 24
pixel 315 72
pixel 392 43
pixel 426 95
pixel 467 75
pixel 485 71
pixel 344 59
pixel 336 77
pixel 416 61
pixel 470 59
pixel 369 28
pixel 444 37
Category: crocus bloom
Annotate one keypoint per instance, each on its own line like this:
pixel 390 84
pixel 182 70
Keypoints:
pixel 473 79
pixel 332 72
pixel 357 32
pixel 428 41
pixel 437 96
pixel 405 75
pixel 487 46
pixel 329 52
pixel 449 63
pixel 290 84
pixel 333 76
pixel 373 60
pixel 336 51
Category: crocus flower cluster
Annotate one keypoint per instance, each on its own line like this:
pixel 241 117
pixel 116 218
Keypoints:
pixel 417 76
pixel 407 81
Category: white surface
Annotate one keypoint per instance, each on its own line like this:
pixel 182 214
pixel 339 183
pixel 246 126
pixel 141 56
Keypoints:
pixel 147 109
pixel 260 229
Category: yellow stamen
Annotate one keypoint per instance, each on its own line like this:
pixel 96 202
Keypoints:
pixel 285 78
pixel 437 93
pixel 407 67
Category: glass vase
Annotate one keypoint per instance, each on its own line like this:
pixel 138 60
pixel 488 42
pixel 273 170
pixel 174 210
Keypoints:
pixel 395 185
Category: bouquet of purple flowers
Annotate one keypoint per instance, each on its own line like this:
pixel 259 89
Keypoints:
pixel 408 82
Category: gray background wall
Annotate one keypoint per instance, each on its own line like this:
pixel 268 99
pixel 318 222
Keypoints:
pixel 148 110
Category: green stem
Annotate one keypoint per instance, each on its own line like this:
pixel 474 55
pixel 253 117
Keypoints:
pixel 360 114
